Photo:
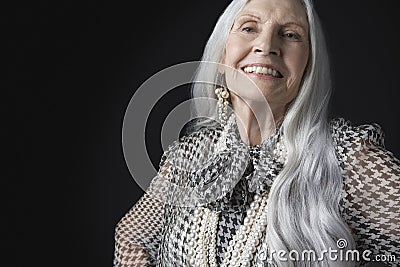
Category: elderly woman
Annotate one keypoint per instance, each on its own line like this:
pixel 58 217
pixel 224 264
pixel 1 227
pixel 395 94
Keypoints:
pixel 273 182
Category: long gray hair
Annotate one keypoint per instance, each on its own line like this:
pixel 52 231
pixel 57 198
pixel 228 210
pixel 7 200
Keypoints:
pixel 304 200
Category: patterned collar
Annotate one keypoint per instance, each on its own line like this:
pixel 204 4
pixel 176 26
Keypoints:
pixel 233 161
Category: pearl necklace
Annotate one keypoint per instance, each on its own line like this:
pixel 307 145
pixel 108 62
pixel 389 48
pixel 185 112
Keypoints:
pixel 241 250
pixel 202 238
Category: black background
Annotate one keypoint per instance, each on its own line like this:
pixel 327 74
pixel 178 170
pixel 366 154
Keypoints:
pixel 72 67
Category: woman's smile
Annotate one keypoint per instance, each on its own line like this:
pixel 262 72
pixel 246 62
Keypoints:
pixel 262 71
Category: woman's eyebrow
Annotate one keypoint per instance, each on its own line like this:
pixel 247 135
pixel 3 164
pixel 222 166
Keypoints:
pixel 258 18
pixel 294 23
pixel 247 15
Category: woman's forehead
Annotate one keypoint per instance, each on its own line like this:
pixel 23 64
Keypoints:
pixel 283 10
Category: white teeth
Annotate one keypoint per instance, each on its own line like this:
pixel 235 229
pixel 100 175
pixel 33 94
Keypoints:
pixel 261 70
pixel 264 71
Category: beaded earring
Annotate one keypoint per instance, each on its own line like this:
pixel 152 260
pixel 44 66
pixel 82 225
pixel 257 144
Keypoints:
pixel 223 95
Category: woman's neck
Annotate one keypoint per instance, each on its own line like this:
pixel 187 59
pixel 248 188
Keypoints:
pixel 256 120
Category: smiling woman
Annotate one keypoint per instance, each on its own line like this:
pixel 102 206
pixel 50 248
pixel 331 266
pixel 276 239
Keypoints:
pixel 267 38
pixel 265 178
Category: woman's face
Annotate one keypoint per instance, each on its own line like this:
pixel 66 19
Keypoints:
pixel 269 44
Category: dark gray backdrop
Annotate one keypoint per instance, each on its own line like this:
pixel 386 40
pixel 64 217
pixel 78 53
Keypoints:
pixel 72 69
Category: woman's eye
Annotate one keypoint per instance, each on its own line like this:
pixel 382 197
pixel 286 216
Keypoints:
pixel 292 36
pixel 248 29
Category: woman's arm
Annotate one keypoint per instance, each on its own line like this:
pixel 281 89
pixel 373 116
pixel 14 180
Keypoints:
pixel 371 198
pixel 138 233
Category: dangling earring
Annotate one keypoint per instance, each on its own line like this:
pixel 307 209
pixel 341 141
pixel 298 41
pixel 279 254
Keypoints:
pixel 223 95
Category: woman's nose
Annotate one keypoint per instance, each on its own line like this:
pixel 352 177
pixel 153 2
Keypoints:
pixel 267 43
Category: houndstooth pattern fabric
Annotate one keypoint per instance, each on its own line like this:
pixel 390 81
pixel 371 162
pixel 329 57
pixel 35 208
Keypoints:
pixel 138 236
pixel 371 195
pixel 154 232
pixel 174 247
pixel 228 226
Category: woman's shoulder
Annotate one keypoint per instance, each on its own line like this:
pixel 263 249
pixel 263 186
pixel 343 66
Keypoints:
pixel 184 157
pixel 200 136
pixel 345 133
pixel 194 142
